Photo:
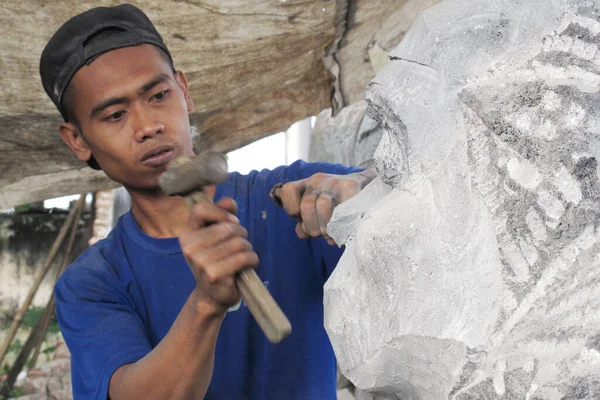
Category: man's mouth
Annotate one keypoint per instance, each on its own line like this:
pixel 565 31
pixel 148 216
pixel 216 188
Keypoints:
pixel 158 156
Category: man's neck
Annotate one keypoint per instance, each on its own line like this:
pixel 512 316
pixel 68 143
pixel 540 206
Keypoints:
pixel 159 215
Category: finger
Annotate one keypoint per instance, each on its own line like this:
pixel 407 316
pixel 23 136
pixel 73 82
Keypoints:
pixel 308 212
pixel 289 196
pixel 203 214
pixel 347 187
pixel 223 250
pixel 302 234
pixel 231 265
pixel 228 204
pixel 324 206
pixel 211 235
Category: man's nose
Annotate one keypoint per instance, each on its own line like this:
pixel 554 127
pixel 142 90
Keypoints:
pixel 146 125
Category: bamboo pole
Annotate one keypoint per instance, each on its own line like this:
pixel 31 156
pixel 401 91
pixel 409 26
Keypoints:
pixel 53 251
pixel 36 337
pixel 43 323
pixel 65 262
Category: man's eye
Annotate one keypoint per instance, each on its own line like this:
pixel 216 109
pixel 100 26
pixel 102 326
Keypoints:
pixel 161 95
pixel 115 116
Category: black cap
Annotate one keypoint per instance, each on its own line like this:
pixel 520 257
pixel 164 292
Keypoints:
pixel 67 52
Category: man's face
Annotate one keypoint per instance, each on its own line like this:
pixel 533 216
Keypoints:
pixel 133 113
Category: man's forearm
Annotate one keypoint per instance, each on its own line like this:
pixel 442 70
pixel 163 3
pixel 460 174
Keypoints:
pixel 181 366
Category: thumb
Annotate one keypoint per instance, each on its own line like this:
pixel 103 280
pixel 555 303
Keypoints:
pixel 289 196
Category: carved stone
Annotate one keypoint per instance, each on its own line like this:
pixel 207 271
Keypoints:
pixel 472 265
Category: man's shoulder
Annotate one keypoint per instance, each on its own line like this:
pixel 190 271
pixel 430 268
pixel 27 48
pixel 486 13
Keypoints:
pixel 96 262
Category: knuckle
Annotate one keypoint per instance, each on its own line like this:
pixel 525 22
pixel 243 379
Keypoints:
pixel 239 244
pixel 225 229
pixel 334 181
pixel 224 213
pixel 227 202
pixel 246 245
pixel 238 231
pixel 236 228
pixel 230 228
pixel 319 176
pixel 247 258
pixel 324 201
pixel 350 185
pixel 288 188
pixel 241 258
pixel 306 203
pixel 211 276
pixel 252 259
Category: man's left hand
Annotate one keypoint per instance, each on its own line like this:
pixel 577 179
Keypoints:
pixel 311 201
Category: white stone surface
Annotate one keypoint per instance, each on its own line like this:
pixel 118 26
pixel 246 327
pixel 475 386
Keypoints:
pixel 477 275
pixel 349 138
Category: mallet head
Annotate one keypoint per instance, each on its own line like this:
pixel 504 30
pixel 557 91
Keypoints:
pixel 185 175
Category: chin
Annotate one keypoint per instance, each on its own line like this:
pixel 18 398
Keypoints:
pixel 136 180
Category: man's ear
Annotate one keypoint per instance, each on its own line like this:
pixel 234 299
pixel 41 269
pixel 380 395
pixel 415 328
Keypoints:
pixel 73 138
pixel 183 84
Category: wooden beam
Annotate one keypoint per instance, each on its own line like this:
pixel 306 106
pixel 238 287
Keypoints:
pixel 254 68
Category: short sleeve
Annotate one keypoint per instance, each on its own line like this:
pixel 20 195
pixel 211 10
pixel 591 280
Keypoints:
pixel 99 324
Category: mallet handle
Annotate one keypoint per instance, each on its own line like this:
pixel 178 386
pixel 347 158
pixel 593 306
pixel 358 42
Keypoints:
pixel 261 304
pixel 263 307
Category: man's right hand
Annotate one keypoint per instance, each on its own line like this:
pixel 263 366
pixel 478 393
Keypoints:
pixel 215 246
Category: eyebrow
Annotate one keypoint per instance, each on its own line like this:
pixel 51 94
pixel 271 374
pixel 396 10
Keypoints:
pixel 158 79
pixel 104 104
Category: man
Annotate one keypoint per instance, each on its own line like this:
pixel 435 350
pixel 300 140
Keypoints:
pixel 145 312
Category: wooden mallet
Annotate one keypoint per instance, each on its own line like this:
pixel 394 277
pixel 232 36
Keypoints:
pixel 187 176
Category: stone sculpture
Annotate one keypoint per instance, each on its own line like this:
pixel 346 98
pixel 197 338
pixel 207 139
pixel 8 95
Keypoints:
pixel 349 138
pixel 472 268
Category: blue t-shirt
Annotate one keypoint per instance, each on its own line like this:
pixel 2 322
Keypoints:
pixel 118 300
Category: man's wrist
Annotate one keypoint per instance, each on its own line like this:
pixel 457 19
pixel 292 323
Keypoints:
pixel 207 308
